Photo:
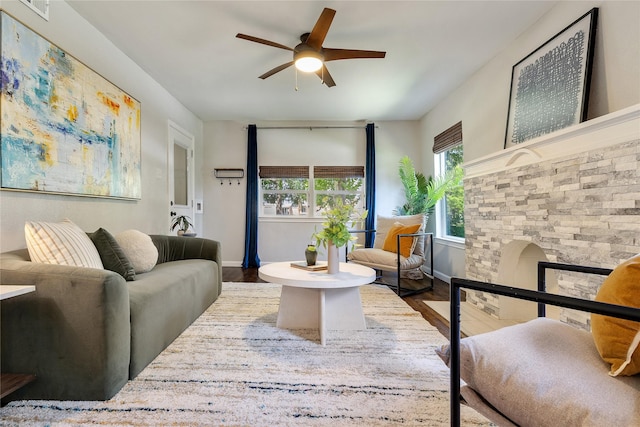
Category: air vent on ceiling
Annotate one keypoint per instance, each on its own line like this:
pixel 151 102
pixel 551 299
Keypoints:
pixel 41 7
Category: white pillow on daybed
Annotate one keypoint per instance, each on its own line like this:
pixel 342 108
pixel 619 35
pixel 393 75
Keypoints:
pixel 546 373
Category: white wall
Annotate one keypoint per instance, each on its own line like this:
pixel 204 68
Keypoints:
pixel 285 239
pixel 76 36
pixel 482 101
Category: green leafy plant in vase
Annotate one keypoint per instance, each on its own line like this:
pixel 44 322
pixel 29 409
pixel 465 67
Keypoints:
pixel 335 233
pixel 182 223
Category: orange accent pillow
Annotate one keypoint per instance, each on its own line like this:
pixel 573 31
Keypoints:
pixel 407 244
pixel 617 339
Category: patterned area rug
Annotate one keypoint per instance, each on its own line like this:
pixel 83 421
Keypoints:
pixel 232 366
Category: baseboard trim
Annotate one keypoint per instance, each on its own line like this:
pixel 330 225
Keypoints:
pixel 232 263
pixel 440 275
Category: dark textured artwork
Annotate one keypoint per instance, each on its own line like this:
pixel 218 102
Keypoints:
pixel 549 91
pixel 550 87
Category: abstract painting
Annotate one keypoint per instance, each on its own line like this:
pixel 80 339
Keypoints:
pixel 550 87
pixel 63 128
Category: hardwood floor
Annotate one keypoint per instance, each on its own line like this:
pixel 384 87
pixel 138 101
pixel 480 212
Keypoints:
pixel 440 292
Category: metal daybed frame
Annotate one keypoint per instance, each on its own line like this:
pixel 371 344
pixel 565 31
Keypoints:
pixel 403 292
pixel 540 296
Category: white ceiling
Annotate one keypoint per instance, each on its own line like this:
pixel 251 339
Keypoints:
pixel 190 48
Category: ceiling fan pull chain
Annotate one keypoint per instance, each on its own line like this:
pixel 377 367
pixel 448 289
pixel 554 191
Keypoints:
pixel 296 79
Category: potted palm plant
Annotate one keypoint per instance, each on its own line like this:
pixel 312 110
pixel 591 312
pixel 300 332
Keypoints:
pixel 335 232
pixel 423 193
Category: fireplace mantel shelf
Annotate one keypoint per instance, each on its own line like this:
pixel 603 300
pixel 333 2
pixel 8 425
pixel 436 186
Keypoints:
pixel 614 128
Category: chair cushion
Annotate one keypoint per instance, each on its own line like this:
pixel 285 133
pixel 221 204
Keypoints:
pixel 407 244
pixel 617 340
pixel 546 373
pixel 61 243
pixel 385 223
pixel 382 260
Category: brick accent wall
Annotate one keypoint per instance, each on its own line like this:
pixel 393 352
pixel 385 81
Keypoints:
pixel 581 209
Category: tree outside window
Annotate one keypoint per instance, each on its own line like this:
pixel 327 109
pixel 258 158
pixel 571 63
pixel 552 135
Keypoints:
pixel 450 208
pixel 454 199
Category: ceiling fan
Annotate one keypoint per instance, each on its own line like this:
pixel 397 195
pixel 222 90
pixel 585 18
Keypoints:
pixel 309 55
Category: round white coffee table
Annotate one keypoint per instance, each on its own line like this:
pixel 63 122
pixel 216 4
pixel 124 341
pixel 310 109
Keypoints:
pixel 318 300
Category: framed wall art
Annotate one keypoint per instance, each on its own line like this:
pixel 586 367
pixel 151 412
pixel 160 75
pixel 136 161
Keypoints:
pixel 64 129
pixel 550 87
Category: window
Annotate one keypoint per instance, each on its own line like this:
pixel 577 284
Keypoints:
pixel 307 191
pixel 448 151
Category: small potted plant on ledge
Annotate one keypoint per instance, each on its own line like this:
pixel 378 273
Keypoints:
pixel 183 224
pixel 335 233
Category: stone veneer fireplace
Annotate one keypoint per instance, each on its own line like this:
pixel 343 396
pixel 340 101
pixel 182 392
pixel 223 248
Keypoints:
pixel 571 197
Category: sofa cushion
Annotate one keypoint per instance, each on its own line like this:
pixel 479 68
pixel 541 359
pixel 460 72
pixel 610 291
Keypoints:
pixel 164 302
pixel 407 244
pixel 545 373
pixel 139 249
pixel 62 243
pixel 112 256
pixel 617 340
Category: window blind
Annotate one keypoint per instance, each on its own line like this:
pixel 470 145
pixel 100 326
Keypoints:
pixel 338 171
pixel 448 139
pixel 284 172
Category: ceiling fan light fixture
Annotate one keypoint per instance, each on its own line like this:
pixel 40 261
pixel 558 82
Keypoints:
pixel 308 61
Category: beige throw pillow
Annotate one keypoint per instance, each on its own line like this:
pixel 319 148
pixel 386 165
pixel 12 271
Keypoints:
pixel 139 249
pixel 61 243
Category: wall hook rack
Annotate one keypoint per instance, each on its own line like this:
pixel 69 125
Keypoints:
pixel 228 174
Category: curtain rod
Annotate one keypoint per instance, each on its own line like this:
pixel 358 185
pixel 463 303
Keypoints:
pixel 310 127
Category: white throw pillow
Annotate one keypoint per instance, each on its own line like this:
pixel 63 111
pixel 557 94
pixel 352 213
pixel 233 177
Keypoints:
pixel 139 249
pixel 61 243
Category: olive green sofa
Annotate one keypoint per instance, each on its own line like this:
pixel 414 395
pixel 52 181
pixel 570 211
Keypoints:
pixel 84 332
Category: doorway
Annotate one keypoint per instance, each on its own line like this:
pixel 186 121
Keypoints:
pixel 181 174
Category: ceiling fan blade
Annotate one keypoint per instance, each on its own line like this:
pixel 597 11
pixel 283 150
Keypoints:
pixel 324 74
pixel 320 30
pixel 276 70
pixel 336 54
pixel 262 41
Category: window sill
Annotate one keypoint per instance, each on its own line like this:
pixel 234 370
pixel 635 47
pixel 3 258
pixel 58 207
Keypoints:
pixel 290 219
pixel 452 242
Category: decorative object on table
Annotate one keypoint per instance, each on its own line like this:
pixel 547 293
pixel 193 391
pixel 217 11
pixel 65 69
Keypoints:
pixel 64 128
pixel 311 254
pixel 335 234
pixel 304 266
pixel 550 87
pixel 183 224
pixel 421 193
